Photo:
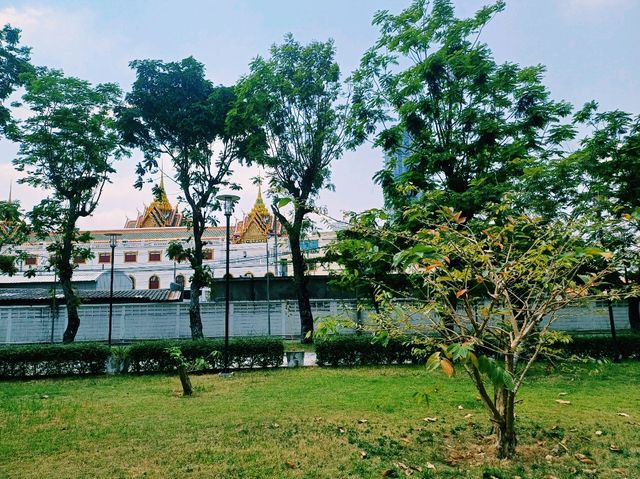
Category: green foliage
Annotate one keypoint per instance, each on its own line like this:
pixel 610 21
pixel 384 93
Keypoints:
pixel 361 350
pixel 53 360
pixel 67 146
pixel 14 63
pixel 464 126
pixel 173 109
pixel 296 96
pixel 156 356
pixel 14 232
pixel 601 346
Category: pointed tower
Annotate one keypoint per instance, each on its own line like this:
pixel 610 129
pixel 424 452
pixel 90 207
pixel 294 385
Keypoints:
pixel 159 213
pixel 255 225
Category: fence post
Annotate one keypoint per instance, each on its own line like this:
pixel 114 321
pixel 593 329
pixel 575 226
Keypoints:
pixel 9 322
pixel 177 320
pixel 123 321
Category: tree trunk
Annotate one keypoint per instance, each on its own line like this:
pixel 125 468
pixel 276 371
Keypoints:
pixel 197 281
pixel 187 390
pixel 65 273
pixel 195 321
pixel 73 318
pixel 505 425
pixel 634 313
pixel 304 303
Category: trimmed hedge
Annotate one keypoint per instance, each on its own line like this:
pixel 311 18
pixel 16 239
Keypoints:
pixel 152 356
pixel 359 350
pixel 601 346
pixel 37 360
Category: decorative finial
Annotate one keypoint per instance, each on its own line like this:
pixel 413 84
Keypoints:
pixel 10 191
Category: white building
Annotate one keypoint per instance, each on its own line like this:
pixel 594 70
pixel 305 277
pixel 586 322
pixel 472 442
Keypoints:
pixel 141 251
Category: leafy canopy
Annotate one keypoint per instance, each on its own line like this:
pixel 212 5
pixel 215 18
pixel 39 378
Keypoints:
pixel 459 127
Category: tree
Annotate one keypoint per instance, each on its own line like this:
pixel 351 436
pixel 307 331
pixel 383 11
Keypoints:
pixel 297 96
pixel 173 110
pixel 604 180
pixel 458 128
pixel 14 232
pixel 510 277
pixel 14 62
pixel 67 146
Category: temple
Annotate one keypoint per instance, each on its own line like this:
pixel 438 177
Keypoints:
pixel 159 214
pixel 255 226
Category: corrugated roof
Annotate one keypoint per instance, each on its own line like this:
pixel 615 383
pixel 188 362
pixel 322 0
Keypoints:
pixel 40 296
pixel 50 278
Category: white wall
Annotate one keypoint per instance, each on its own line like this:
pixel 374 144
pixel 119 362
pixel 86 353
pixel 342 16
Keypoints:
pixel 32 324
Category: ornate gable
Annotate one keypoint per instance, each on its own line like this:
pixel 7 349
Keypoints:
pixel 158 214
pixel 254 227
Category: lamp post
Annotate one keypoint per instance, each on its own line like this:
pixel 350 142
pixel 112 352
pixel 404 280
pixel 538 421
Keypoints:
pixel 267 219
pixel 275 244
pixel 113 241
pixel 228 202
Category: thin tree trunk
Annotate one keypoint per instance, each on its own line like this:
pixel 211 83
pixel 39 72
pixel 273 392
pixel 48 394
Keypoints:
pixel 195 318
pixel 73 318
pixel 187 389
pixel 634 313
pixel 195 321
pixel 505 425
pixel 300 280
pixel 65 273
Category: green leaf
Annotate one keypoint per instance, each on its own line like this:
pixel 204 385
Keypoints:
pixel 282 202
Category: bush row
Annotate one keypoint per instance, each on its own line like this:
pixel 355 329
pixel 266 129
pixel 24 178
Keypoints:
pixel 53 359
pixel 601 346
pixel 152 356
pixel 360 350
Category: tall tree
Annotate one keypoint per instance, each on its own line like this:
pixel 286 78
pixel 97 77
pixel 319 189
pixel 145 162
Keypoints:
pixel 14 62
pixel 174 110
pixel 297 95
pixel 604 180
pixel 68 146
pixel 458 128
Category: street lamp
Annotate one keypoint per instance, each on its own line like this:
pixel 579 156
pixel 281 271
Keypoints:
pixel 113 241
pixel 228 202
pixel 267 220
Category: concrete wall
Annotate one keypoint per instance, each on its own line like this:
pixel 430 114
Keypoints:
pixel 33 324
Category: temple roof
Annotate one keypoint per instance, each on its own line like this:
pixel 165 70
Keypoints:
pixel 159 214
pixel 255 226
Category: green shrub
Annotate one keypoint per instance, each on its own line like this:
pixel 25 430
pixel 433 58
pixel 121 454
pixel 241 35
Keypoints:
pixel 152 356
pixel 360 350
pixel 36 360
pixel 601 346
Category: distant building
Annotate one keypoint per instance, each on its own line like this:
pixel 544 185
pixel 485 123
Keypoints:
pixel 141 252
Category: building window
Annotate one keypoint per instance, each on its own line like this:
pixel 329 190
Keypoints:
pixel 207 254
pixel 104 258
pixel 180 280
pixel 133 281
pixel 309 245
pixel 154 282
pixel 31 260
pixel 155 256
pixel 79 260
pixel 130 257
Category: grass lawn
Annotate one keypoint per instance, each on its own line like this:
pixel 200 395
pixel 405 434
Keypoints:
pixel 317 423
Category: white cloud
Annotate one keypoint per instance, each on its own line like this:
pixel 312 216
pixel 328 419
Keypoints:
pixel 70 40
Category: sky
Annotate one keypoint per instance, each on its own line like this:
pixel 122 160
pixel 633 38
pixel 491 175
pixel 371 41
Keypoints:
pixel 590 49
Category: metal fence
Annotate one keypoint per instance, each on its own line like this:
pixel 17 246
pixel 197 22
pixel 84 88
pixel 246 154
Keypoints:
pixel 41 324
